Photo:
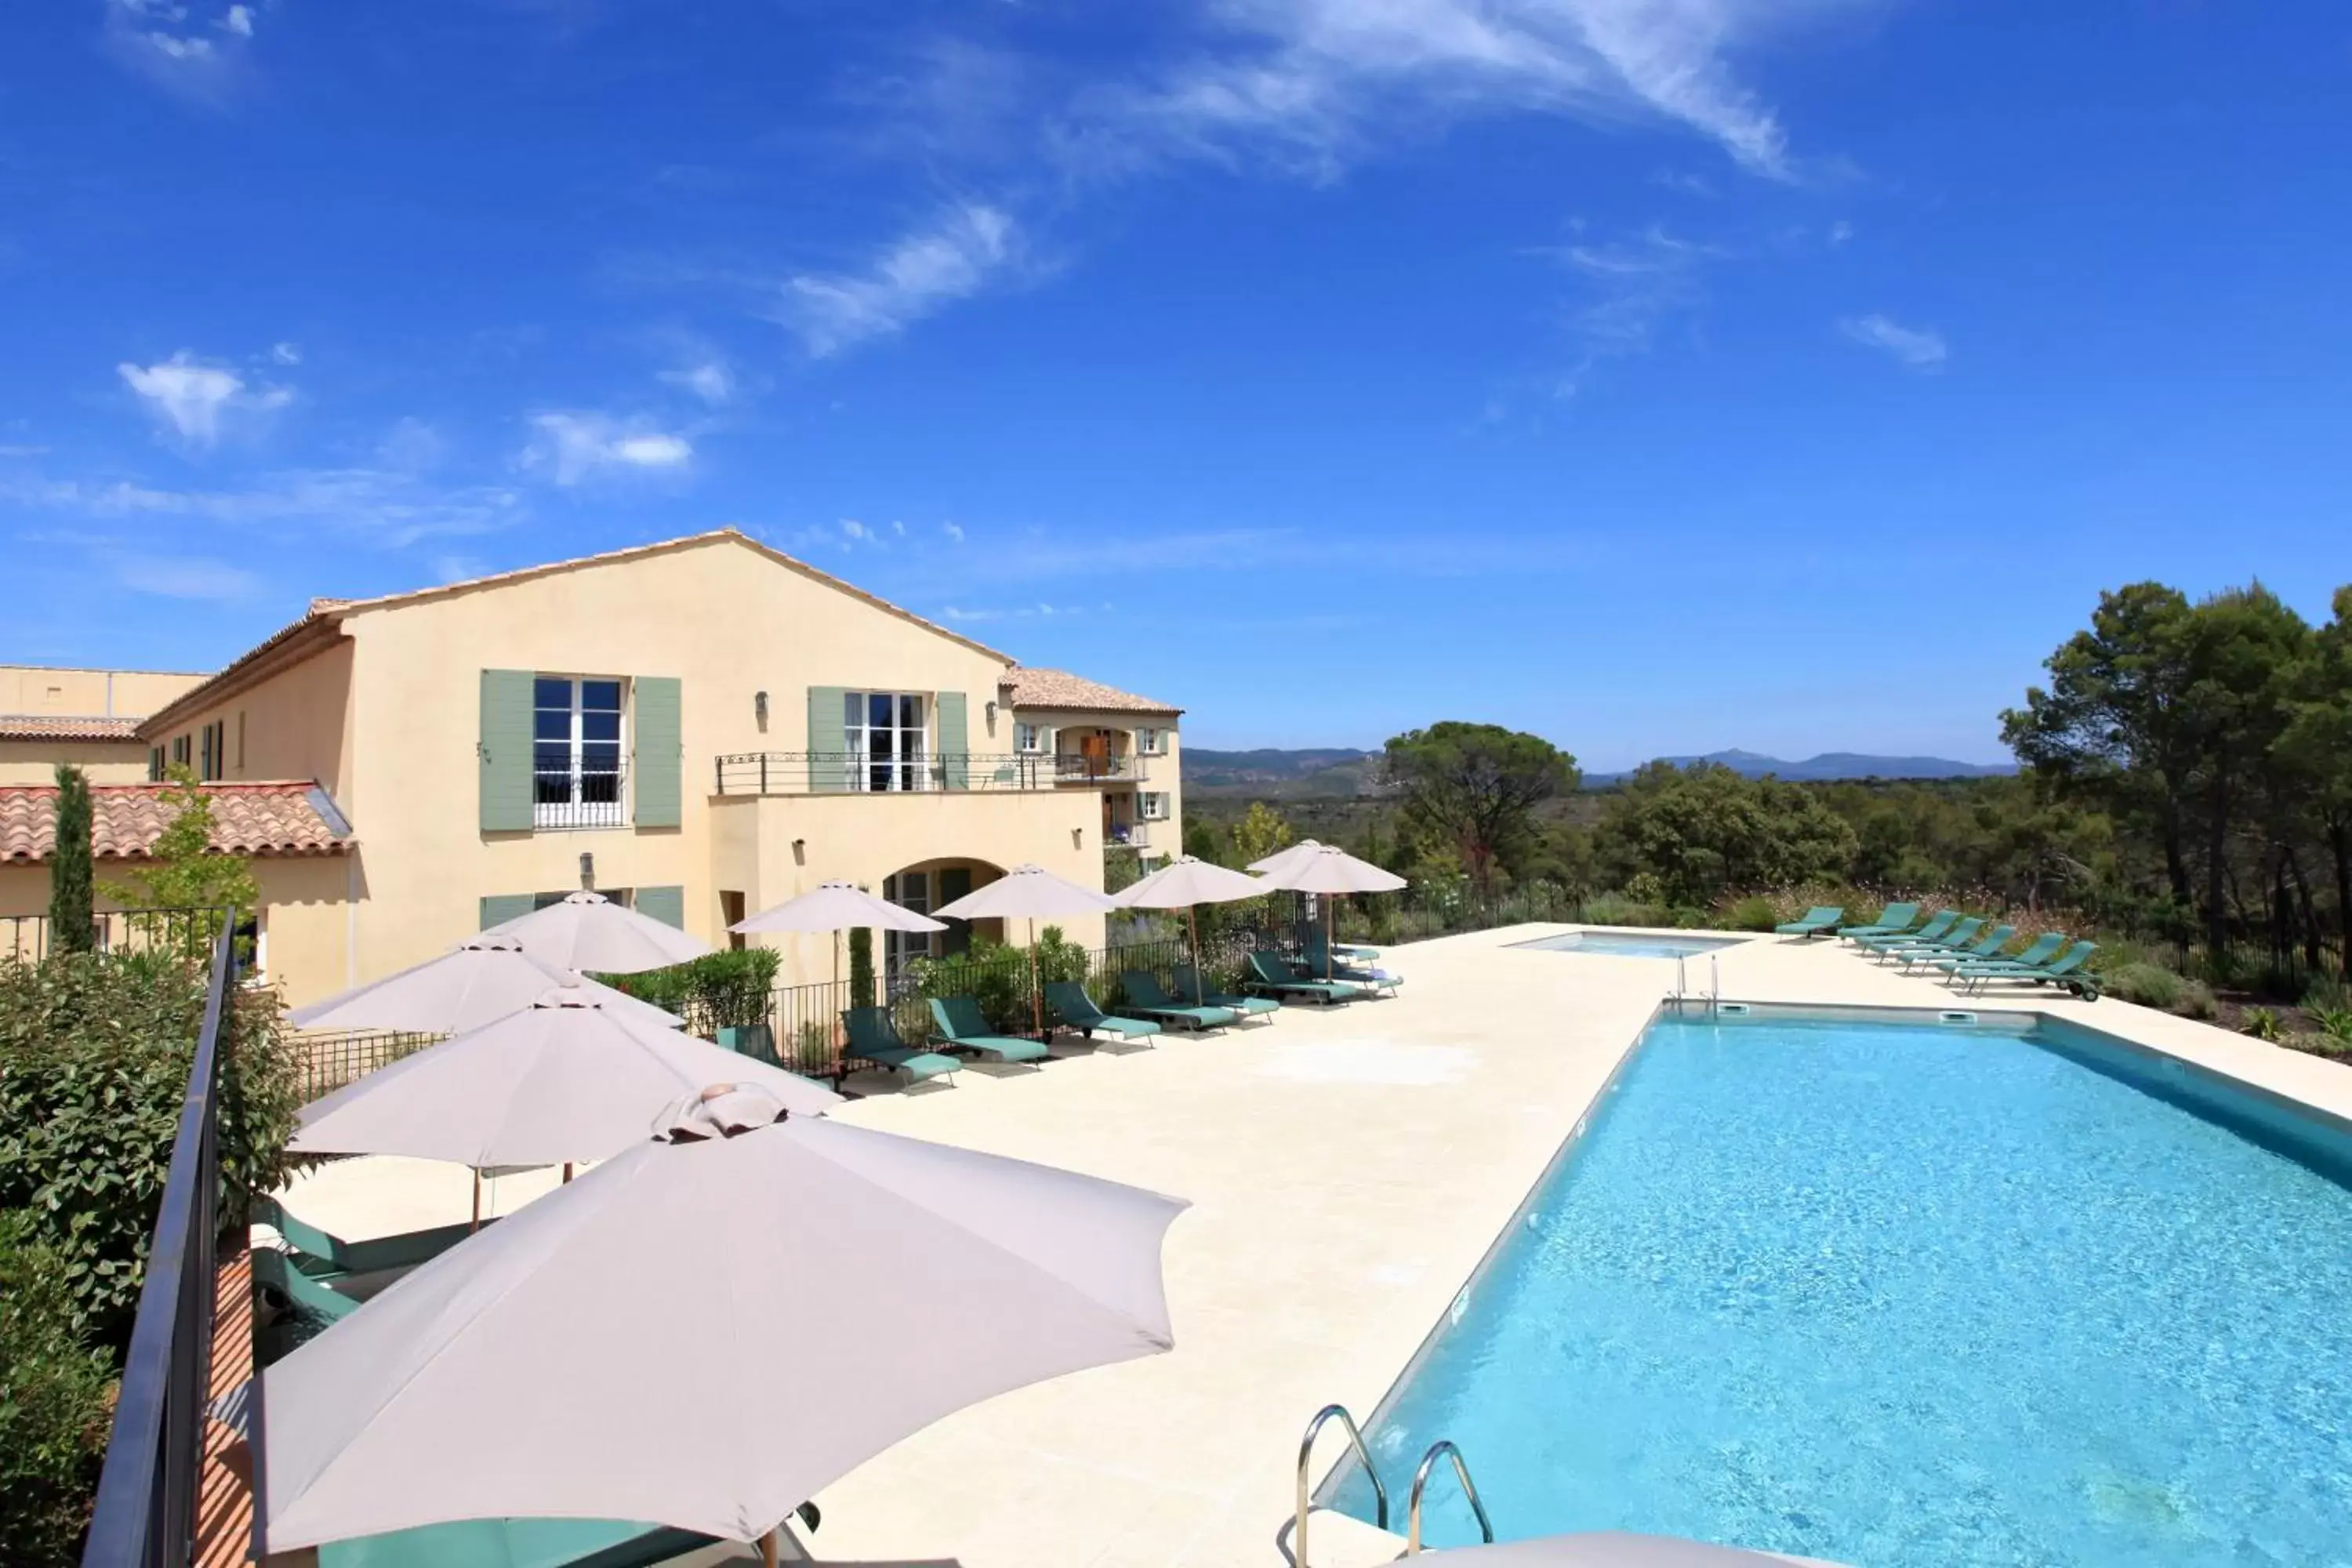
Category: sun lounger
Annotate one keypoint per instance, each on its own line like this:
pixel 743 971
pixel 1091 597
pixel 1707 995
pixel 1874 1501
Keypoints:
pixel 1819 921
pixel 956 1021
pixel 518 1543
pixel 1189 988
pixel 1270 975
pixel 323 1256
pixel 873 1037
pixel 1955 932
pixel 2065 970
pixel 1071 1007
pixel 1936 926
pixel 1319 961
pixel 1893 920
pixel 1146 996
pixel 302 1308
pixel 2045 948
pixel 1987 946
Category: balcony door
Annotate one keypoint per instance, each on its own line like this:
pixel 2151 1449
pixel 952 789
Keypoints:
pixel 576 752
pixel 886 735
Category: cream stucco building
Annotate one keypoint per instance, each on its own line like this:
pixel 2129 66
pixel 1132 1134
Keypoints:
pixel 705 726
pixel 86 717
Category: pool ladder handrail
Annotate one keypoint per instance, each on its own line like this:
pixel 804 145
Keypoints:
pixel 1713 984
pixel 1305 1457
pixel 1444 1446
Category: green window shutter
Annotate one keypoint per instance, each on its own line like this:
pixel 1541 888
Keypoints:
pixel 505 750
pixel 828 739
pixel 499 908
pixel 659 750
pixel 666 905
pixel 955 740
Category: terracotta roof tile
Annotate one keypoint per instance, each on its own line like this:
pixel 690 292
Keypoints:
pixel 281 818
pixel 1061 689
pixel 66 727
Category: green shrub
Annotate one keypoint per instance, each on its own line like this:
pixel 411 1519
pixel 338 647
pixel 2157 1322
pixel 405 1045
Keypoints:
pixel 2262 1024
pixel 55 1393
pixel 997 976
pixel 2326 993
pixel 2335 1023
pixel 2149 985
pixel 717 990
pixel 94 1056
pixel 2319 1045
pixel 2197 1001
pixel 1617 910
pixel 1754 912
pixel 861 967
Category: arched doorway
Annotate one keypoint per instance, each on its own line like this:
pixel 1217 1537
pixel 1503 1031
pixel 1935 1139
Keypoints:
pixel 923 888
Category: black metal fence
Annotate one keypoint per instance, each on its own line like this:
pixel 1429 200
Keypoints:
pixel 145 1512
pixel 850 772
pixel 28 938
pixel 330 1060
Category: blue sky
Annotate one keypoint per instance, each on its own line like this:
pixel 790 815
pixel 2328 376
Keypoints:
pixel 1656 374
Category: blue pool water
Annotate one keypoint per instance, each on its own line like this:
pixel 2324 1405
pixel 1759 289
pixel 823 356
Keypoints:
pixel 1632 944
pixel 1911 1296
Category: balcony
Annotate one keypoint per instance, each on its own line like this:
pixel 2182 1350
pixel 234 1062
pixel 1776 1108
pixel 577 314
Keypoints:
pixel 847 772
pixel 1076 768
pixel 582 796
pixel 1127 835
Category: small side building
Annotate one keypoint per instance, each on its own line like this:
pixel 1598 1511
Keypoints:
pixel 86 717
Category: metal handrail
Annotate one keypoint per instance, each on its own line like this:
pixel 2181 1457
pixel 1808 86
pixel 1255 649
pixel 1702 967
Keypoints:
pixel 145 1510
pixel 1305 1457
pixel 1420 1483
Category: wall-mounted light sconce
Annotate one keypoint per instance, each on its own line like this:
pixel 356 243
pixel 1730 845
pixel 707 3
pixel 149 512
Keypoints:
pixel 1078 839
pixel 760 707
pixel 800 851
pixel 992 715
pixel 587 869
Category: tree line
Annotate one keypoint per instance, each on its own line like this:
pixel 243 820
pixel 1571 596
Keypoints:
pixel 2184 779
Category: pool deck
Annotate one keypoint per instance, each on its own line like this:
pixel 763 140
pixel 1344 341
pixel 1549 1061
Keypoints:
pixel 1348 1170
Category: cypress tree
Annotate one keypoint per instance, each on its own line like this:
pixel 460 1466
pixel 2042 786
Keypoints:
pixel 861 967
pixel 72 925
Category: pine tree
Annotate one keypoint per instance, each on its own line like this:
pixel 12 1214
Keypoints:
pixel 73 928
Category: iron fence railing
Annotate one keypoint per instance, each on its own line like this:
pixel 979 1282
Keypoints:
pixel 849 772
pixel 148 1490
pixel 29 939
pixel 590 794
pixel 330 1060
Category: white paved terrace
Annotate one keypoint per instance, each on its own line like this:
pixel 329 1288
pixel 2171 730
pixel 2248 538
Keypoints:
pixel 1348 1169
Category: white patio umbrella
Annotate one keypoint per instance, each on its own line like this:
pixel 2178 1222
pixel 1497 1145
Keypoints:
pixel 1614 1549
pixel 1029 892
pixel 1185 883
pixel 1330 870
pixel 472 984
pixel 661 1340
pixel 837 907
pixel 589 931
pixel 564 1080
pixel 1282 857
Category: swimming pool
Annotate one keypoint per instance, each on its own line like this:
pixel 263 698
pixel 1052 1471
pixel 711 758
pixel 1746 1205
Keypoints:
pixel 1632 944
pixel 1911 1295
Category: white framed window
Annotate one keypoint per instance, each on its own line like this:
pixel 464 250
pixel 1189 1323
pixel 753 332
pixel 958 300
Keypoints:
pixel 908 891
pixel 576 743
pixel 1151 804
pixel 1027 738
pixel 887 739
pixel 1152 742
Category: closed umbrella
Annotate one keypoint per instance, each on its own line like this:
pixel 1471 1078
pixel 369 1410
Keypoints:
pixel 589 931
pixel 564 1080
pixel 1330 870
pixel 468 986
pixel 1029 892
pixel 1184 884
pixel 661 1340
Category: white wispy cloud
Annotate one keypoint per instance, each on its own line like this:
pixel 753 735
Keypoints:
pixel 711 379
pixel 185 578
pixel 1632 288
pixel 459 568
pixel 1312 84
pixel 286 353
pixel 964 249
pixel 195 400
pixel 379 507
pixel 193 51
pixel 855 532
pixel 954 531
pixel 1920 348
pixel 571 446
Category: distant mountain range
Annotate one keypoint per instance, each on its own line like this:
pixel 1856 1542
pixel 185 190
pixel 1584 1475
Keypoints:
pixel 1323 772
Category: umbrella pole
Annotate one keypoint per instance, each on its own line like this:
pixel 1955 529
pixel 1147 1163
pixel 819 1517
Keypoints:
pixel 477 1222
pixel 768 1549
pixel 1192 914
pixel 1036 996
pixel 567 1172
